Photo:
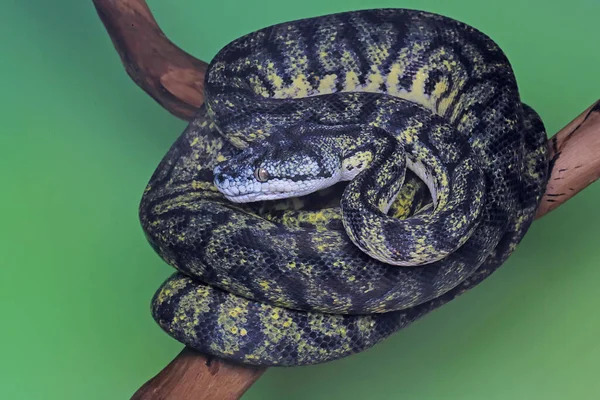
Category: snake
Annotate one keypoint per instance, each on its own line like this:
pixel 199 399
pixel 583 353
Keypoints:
pixel 347 175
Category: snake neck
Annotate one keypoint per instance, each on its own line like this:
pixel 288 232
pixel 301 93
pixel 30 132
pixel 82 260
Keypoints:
pixel 372 157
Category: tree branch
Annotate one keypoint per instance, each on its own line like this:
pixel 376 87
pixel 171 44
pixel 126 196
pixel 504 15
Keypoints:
pixel 192 375
pixel 169 75
pixel 575 155
pixel 175 80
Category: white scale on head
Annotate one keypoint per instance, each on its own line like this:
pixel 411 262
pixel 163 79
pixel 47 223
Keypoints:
pixel 264 187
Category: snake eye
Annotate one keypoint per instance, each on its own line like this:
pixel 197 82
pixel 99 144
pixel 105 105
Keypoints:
pixel 261 174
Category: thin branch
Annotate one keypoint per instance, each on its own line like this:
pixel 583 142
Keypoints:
pixel 175 80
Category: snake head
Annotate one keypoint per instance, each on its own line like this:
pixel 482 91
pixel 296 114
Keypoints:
pixel 272 169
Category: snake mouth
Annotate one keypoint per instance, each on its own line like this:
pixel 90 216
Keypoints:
pixel 272 190
pixel 258 196
pixel 256 192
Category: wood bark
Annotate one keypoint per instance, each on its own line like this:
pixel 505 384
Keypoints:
pixel 195 376
pixel 575 158
pixel 175 80
pixel 168 74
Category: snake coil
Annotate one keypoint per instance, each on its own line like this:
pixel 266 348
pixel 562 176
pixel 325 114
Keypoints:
pixel 301 280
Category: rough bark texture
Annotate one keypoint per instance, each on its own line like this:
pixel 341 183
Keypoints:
pixel 575 152
pixel 175 80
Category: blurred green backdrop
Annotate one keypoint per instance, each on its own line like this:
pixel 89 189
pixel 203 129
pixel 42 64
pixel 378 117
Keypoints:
pixel 79 141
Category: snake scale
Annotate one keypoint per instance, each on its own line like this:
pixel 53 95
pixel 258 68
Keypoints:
pixel 404 170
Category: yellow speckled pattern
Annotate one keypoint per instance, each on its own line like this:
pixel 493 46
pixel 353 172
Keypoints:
pixel 287 282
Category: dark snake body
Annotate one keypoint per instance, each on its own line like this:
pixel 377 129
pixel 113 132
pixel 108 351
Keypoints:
pixel 281 283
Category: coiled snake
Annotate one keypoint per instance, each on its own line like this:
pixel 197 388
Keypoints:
pixel 446 167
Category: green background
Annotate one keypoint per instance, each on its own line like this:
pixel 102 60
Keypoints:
pixel 80 140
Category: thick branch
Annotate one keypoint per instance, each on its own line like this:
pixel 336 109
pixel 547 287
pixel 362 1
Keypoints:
pixel 169 75
pixel 575 152
pixel 192 375
pixel 175 80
